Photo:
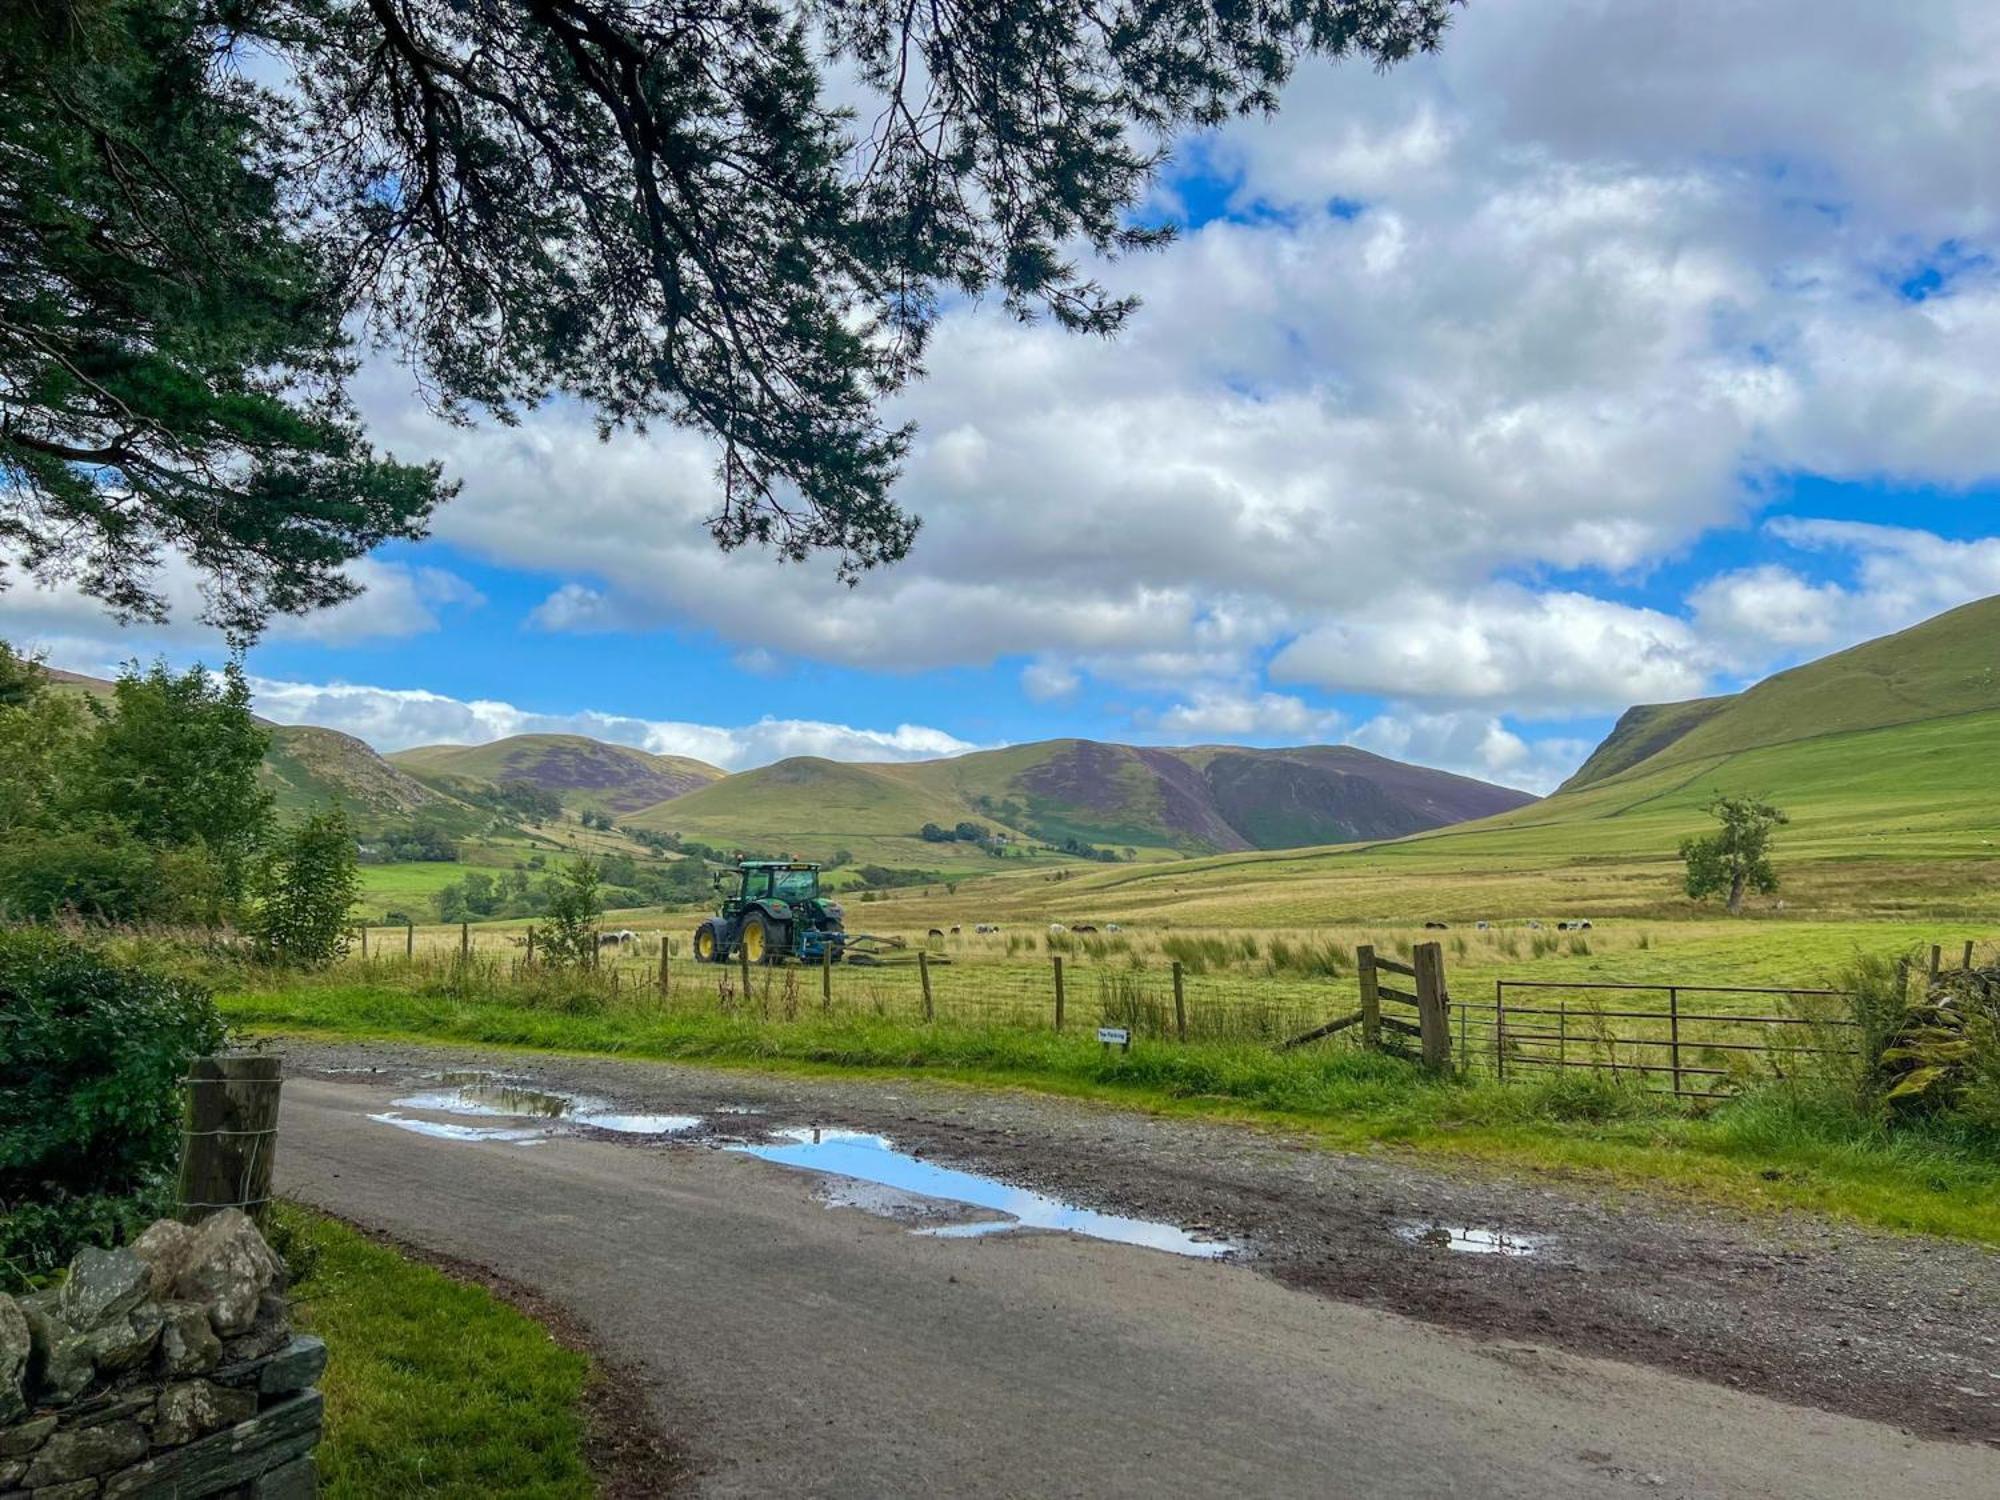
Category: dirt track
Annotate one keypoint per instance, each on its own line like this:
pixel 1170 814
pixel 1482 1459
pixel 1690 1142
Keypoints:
pixel 838 1353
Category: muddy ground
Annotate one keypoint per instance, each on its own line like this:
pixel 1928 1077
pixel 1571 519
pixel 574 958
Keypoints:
pixel 1899 1329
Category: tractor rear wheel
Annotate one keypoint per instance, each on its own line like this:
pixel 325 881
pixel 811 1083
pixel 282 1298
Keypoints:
pixel 708 945
pixel 760 940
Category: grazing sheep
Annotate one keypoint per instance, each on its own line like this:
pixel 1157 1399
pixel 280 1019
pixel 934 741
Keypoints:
pixel 1112 927
pixel 1056 929
pixel 1481 926
pixel 1534 927
pixel 954 932
pixel 1437 927
pixel 985 929
pixel 935 934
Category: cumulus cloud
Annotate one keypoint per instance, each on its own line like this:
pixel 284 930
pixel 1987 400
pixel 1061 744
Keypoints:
pixel 1537 654
pixel 1472 744
pixel 396 718
pixel 1900 576
pixel 1221 713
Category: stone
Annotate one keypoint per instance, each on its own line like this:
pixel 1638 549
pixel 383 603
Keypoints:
pixel 228 1269
pixel 269 1332
pixel 234 1456
pixel 103 1286
pixel 67 1369
pixel 195 1408
pixel 118 1346
pixel 164 1248
pixel 188 1345
pixel 296 1480
pixel 11 1471
pixel 293 1367
pixel 82 1489
pixel 74 1453
pixel 16 1344
pixel 25 1437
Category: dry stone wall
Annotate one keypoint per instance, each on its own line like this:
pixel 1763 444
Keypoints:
pixel 166 1369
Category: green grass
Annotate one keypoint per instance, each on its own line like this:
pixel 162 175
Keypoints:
pixel 433 1387
pixel 1774 1149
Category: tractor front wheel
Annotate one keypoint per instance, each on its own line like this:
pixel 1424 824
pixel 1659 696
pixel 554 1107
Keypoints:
pixel 708 945
pixel 760 940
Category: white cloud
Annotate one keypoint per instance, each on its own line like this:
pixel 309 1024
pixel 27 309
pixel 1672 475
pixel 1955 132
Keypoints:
pixel 1219 713
pixel 1535 654
pixel 1472 744
pixel 1770 613
pixel 1048 681
pixel 397 718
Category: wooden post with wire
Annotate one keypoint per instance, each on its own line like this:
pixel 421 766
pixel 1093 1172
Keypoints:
pixel 1371 995
pixel 1433 1005
pixel 665 982
pixel 1055 959
pixel 409 940
pixel 924 978
pixel 364 943
pixel 1937 959
pixel 464 941
pixel 530 961
pixel 1180 1004
pixel 230 1134
pixel 826 976
pixel 1968 955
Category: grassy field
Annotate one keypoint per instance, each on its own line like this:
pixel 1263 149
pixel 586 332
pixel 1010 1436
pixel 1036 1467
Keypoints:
pixel 433 1387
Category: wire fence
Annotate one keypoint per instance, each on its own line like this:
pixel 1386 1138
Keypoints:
pixel 1697 1041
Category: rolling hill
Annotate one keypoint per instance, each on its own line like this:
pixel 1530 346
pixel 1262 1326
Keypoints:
pixel 1886 757
pixel 583 772
pixel 1201 799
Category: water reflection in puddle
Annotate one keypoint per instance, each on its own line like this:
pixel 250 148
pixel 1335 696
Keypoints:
pixel 492 1096
pixel 872 1159
pixel 1471 1241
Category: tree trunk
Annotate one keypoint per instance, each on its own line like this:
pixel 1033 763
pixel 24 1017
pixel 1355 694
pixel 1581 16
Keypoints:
pixel 1736 883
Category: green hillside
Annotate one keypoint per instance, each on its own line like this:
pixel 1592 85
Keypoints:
pixel 307 767
pixel 1885 756
pixel 583 772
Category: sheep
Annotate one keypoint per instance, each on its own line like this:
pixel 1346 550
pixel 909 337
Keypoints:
pixel 1437 927
pixel 1056 929
pixel 986 929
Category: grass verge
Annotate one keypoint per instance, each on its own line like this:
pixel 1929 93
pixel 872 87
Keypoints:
pixel 1779 1148
pixel 433 1387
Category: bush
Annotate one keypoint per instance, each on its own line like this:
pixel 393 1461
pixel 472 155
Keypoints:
pixel 91 1061
pixel 307 884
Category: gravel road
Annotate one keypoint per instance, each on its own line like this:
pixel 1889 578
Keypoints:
pixel 796 1350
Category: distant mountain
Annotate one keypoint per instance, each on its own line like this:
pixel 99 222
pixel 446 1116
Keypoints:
pixel 583 772
pixel 1203 799
pixel 1946 667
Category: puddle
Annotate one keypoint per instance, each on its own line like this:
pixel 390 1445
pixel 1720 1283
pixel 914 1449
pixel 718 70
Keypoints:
pixel 873 1164
pixel 1471 1241
pixel 491 1096
pixel 444 1131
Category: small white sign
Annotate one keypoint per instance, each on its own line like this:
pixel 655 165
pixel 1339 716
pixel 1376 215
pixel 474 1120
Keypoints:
pixel 1114 1036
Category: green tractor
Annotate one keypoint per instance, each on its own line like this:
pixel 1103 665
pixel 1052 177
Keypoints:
pixel 772 910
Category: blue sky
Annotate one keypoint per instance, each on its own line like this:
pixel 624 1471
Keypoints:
pixel 1588 363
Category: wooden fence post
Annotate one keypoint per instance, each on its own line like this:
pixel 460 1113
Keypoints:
pixel 409 940
pixel 364 943
pixel 924 978
pixel 1433 1013
pixel 231 1134
pixel 530 961
pixel 1371 999
pixel 464 940
pixel 826 975
pixel 1500 1028
pixel 1937 958
pixel 665 983
pixel 1056 960
pixel 1968 955
pixel 1180 1004
pixel 1674 1035
pixel 743 963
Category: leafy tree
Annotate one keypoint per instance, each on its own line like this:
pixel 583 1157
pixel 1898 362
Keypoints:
pixel 652 205
pixel 174 762
pixel 569 937
pixel 1737 857
pixel 307 886
pixel 930 833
